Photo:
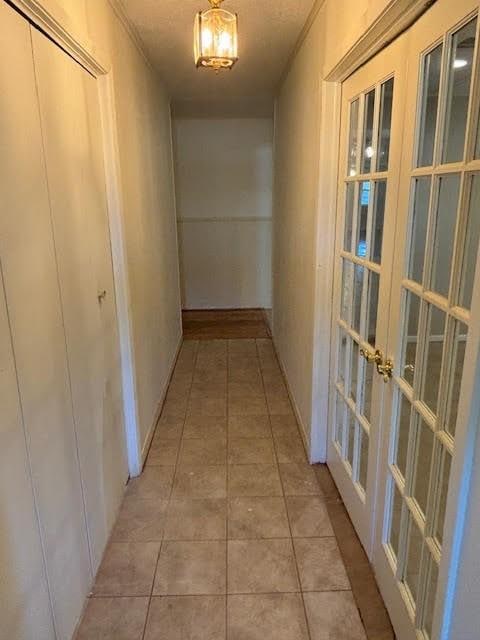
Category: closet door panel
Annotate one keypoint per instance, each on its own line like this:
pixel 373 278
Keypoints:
pixel 114 455
pixel 32 295
pixel 64 120
pixel 25 611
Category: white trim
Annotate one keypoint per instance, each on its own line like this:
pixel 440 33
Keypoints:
pixel 49 16
pixel 324 261
pixel 233 220
pixel 120 12
pixel 397 16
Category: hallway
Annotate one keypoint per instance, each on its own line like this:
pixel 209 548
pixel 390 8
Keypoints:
pixel 229 533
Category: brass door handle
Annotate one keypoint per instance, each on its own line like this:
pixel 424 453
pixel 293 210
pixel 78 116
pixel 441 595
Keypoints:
pixel 384 368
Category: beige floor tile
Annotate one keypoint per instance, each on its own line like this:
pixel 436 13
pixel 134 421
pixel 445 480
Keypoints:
pixel 169 427
pixel 203 452
pixel 290 449
pixel 196 519
pixel 320 565
pixel 247 406
pixel 284 426
pixel 246 389
pixel 113 619
pixel 127 569
pixel 261 566
pixel 252 376
pixel 215 390
pixel 200 482
pixel 279 404
pixel 257 518
pixel 241 362
pixel 140 520
pixel 191 568
pixel 249 427
pixel 251 451
pixel 242 347
pixel 208 374
pixel 186 618
pixel 205 427
pixel 254 480
pixel 308 517
pixel 299 480
pixel 154 483
pixel 174 406
pixel 163 452
pixel 333 616
pixel 207 407
pixel 267 617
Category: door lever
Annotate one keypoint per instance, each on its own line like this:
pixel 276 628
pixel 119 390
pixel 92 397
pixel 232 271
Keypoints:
pixel 101 296
pixel 384 368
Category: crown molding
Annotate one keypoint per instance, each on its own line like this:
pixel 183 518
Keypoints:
pixel 119 10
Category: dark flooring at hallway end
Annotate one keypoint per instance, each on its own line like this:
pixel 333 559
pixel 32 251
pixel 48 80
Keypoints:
pixel 225 324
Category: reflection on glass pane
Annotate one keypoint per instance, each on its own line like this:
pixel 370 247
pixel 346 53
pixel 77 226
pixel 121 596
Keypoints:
pixel 368 150
pixel 430 597
pixel 460 75
pixel 372 308
pixel 347 273
pixel 425 440
pixel 449 192
pixel 410 339
pixel 363 462
pixel 429 109
pixel 419 228
pixel 353 370
pixel 351 437
pixel 395 517
pixel 353 139
pixel 471 245
pixel 442 494
pixel 342 350
pixel 363 202
pixel 456 373
pixel 402 434
pixel 368 372
pixel 385 125
pixel 414 558
pixel 433 362
pixel 357 297
pixel 378 217
pixel 349 203
pixel 339 417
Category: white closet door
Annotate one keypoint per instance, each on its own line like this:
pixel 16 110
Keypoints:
pixel 31 289
pixel 63 113
pixel 25 611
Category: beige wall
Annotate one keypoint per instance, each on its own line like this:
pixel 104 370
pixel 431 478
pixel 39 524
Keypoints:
pixel 297 206
pixel 144 137
pixel 223 171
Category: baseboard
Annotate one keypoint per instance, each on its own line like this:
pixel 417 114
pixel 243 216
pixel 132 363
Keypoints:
pixel 296 411
pixel 163 395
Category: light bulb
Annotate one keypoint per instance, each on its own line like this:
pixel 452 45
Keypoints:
pixel 224 42
pixel 207 38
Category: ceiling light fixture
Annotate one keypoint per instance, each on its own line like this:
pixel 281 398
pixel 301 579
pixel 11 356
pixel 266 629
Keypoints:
pixel 215 38
pixel 459 63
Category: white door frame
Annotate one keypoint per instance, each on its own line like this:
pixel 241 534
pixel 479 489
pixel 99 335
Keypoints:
pixel 50 18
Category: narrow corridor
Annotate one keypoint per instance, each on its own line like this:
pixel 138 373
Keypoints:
pixel 227 533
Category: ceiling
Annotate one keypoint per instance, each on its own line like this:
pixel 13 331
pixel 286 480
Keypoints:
pixel 268 31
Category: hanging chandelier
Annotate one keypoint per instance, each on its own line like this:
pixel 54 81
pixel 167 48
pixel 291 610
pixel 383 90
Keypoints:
pixel 216 38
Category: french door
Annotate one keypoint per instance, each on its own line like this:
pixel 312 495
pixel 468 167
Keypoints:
pixel 393 466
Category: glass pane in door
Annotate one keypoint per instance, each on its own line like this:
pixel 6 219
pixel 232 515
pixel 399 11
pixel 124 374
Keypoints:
pixel 472 237
pixel 432 67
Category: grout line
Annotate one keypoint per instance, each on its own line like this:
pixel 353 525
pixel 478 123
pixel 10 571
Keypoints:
pixel 227 503
pixel 288 516
pixel 171 490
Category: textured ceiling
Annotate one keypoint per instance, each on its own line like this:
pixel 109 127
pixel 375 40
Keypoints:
pixel 268 31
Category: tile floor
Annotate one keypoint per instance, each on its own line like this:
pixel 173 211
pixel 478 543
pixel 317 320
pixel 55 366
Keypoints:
pixel 229 533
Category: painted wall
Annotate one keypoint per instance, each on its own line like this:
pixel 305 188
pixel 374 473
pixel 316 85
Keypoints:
pixel 223 171
pixel 144 136
pixel 299 271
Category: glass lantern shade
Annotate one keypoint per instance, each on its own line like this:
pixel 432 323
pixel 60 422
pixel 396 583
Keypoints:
pixel 216 39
